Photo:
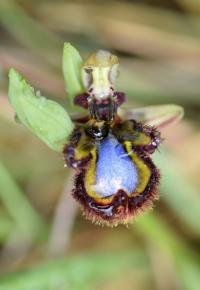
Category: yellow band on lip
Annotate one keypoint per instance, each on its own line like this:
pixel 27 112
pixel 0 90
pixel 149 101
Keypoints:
pixel 144 171
pixel 90 179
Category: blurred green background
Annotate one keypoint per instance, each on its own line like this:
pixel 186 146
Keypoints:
pixel 45 243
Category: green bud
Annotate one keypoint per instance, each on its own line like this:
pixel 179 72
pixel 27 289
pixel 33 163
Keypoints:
pixel 72 63
pixel 45 118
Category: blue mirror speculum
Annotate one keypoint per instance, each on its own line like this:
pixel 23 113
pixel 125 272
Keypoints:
pixel 116 178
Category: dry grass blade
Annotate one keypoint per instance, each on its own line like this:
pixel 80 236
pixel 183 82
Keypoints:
pixel 63 220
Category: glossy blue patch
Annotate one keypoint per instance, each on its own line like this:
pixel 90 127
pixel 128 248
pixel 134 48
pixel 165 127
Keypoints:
pixel 114 170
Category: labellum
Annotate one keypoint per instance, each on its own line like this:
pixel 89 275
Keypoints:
pixel 116 178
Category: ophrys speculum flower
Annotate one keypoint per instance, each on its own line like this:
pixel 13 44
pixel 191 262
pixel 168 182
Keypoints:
pixel 109 146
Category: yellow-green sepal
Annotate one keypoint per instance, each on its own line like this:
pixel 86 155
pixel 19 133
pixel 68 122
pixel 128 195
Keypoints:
pixel 45 118
pixel 71 65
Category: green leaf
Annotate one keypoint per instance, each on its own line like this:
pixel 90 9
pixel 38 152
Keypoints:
pixel 82 272
pixel 23 214
pixel 45 118
pixel 163 238
pixel 72 62
pixel 29 32
pixel 178 193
